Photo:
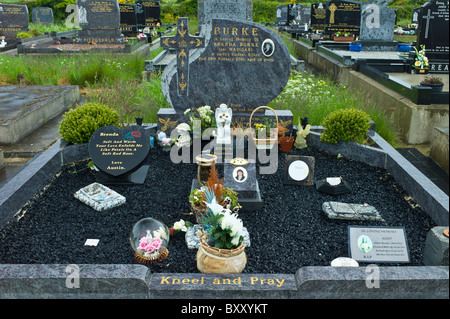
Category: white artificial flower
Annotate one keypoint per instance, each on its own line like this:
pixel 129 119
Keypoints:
pixel 235 240
pixel 187 111
pixel 215 207
pixel 161 135
pixel 180 225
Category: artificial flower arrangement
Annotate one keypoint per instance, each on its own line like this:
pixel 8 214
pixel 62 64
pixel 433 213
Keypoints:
pixel 179 227
pixel 164 141
pixel 226 197
pixel 343 34
pixel 421 61
pixel 149 246
pixel 141 36
pixel 224 228
pixel 205 115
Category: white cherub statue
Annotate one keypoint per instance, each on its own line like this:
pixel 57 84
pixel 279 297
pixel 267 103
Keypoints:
pixel 223 120
pixel 2 42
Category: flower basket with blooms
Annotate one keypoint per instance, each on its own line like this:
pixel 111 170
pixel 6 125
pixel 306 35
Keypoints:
pixel 341 36
pixel 213 188
pixel 421 61
pixel 434 82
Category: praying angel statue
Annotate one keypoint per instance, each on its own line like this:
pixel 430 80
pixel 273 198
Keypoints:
pixel 223 120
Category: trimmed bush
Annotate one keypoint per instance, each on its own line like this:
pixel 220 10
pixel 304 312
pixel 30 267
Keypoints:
pixel 80 123
pixel 348 125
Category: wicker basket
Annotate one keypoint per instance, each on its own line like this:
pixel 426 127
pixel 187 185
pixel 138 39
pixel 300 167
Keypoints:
pixel 264 143
pixel 220 261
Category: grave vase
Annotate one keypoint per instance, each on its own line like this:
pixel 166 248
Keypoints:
pixel 220 261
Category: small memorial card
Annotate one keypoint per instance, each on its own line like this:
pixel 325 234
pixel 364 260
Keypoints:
pixel 378 244
pixel 299 170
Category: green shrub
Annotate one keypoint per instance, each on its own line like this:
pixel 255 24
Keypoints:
pixel 348 125
pixel 80 123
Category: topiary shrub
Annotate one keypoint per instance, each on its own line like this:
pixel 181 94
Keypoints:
pixel 80 123
pixel 348 125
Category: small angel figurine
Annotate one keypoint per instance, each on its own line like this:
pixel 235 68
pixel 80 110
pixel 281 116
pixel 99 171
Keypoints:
pixel 223 120
pixel 303 130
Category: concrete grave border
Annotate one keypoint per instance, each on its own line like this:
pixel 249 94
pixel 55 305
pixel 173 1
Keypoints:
pixel 137 281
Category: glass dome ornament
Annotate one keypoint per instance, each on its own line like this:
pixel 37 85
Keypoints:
pixel 149 239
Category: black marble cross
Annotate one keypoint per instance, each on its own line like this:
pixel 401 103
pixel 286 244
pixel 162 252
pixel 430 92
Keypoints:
pixel 182 42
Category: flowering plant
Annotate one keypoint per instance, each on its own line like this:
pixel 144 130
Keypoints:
pixel 343 34
pixel 224 228
pixel 179 227
pixel 141 36
pixel 204 114
pixel 421 61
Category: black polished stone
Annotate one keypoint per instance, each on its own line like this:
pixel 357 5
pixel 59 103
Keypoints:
pixel 117 152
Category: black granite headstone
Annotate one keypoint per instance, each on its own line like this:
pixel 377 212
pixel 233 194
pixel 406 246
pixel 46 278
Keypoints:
pixel 119 153
pixel 344 16
pixel 13 19
pixel 433 32
pixel 282 15
pixel 318 16
pixel 292 13
pixel 128 19
pixel 152 13
pixel 303 15
pixel 239 63
pixel 42 15
pixel 415 16
pixel 99 20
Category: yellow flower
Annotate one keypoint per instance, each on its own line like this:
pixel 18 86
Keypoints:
pixel 417 63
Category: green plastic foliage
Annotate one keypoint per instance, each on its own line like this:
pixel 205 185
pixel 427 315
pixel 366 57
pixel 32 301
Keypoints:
pixel 348 125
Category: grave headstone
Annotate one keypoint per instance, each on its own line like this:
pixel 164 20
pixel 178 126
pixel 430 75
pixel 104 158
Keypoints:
pixel 415 16
pixel 344 16
pixel 13 19
pixel 292 13
pixel 433 32
pixel 42 15
pixel 152 13
pixel 128 18
pixel 119 154
pixel 318 16
pixel 282 15
pixel 377 26
pixel 99 20
pixel 224 9
pixel 303 15
pixel 246 65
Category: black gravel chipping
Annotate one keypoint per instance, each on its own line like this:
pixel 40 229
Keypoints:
pixel 290 232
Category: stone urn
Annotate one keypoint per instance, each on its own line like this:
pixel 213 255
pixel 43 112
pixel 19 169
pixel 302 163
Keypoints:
pixel 220 261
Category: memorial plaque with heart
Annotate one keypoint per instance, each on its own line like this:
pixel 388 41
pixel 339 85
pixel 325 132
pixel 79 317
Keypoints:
pixel 117 151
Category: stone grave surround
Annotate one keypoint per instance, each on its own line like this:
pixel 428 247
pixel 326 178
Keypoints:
pixel 342 16
pixel 13 19
pixel 42 15
pixel 433 32
pixel 227 64
pixel 99 20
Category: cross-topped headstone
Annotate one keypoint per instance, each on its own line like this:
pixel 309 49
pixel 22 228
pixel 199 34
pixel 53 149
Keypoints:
pixel 182 42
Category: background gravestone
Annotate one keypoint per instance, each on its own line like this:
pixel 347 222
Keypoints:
pixel 224 9
pixel 342 16
pixel 42 15
pixel 318 16
pixel 303 15
pixel 128 19
pixel 99 20
pixel 415 16
pixel 13 19
pixel 433 32
pixel 377 26
pixel 152 12
pixel 282 15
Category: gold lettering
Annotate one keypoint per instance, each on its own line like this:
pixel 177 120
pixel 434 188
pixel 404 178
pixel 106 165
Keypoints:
pixel 244 31
pixel 234 31
pixel 255 31
pixel 216 30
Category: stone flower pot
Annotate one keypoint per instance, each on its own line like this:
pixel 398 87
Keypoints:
pixel 435 87
pixel 220 261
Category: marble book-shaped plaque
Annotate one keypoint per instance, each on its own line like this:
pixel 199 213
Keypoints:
pixel 99 197
pixel 337 210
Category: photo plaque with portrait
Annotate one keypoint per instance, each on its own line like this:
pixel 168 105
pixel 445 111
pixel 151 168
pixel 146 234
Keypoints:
pixel 299 170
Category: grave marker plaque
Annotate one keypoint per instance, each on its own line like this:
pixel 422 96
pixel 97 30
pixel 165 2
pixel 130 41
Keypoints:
pixel 42 15
pixel 13 19
pixel 117 152
pixel 128 19
pixel 433 32
pixel 378 244
pixel 299 170
pixel 99 20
